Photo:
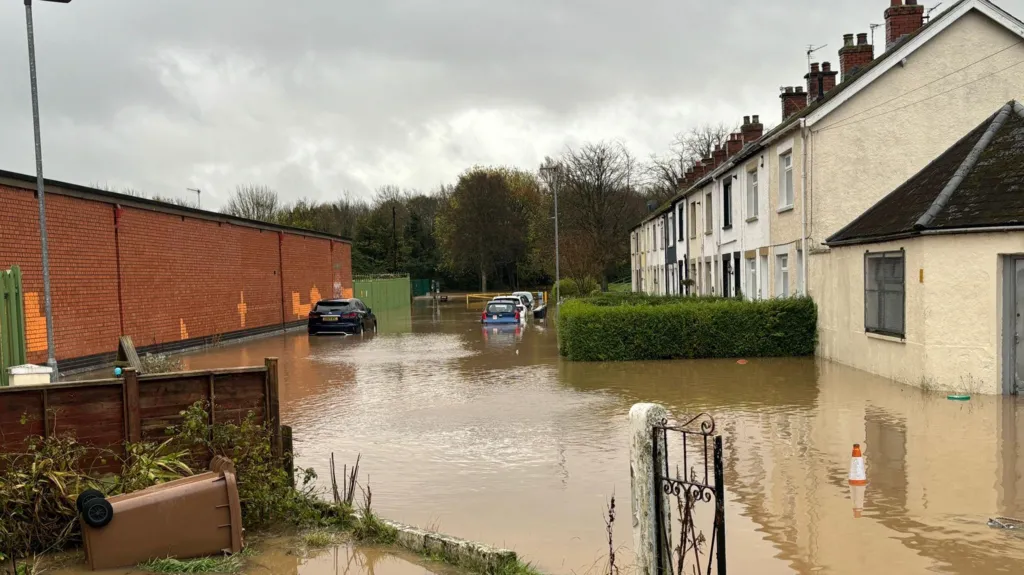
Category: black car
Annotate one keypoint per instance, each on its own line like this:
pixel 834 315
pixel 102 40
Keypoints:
pixel 341 316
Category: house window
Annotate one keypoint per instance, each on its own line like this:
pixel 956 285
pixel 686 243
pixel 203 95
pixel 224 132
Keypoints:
pixel 670 232
pixel 752 279
pixel 709 222
pixel 752 195
pixel 680 215
pixel 764 277
pixel 693 220
pixel 884 293
pixel 782 275
pixel 727 204
pixel 786 180
pixel 708 290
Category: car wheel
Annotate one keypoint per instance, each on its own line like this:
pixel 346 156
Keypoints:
pixel 311 331
pixel 87 496
pixel 359 329
pixel 97 512
pixel 374 327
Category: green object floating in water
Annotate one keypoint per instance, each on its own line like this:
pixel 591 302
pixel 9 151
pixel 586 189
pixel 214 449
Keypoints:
pixel 958 397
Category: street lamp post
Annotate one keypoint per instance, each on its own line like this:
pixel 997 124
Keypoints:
pixel 554 173
pixel 51 358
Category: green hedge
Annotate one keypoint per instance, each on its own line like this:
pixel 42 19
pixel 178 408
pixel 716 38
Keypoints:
pixel 637 327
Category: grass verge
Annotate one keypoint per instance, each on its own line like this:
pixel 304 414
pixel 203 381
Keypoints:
pixel 172 566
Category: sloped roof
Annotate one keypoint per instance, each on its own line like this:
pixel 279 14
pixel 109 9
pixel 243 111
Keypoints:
pixel 977 183
pixel 848 85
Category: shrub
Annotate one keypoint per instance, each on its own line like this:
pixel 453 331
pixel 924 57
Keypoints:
pixel 638 327
pixel 573 288
pixel 160 363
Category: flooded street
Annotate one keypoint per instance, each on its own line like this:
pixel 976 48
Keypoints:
pixel 493 438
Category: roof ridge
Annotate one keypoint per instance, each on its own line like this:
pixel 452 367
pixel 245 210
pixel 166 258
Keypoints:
pixel 1018 107
pixel 965 167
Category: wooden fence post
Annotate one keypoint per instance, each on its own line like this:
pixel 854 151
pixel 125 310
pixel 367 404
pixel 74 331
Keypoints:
pixel 133 422
pixel 274 407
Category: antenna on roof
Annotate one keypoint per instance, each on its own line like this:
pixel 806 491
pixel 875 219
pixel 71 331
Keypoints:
pixel 928 16
pixel 811 50
pixel 873 26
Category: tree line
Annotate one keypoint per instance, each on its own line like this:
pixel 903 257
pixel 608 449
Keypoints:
pixel 494 227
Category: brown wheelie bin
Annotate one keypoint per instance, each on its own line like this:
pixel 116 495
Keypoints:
pixel 189 517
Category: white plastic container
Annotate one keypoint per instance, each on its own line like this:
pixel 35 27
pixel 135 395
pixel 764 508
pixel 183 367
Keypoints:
pixel 28 375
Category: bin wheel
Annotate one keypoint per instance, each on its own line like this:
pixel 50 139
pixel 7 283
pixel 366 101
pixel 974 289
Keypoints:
pixel 85 497
pixel 97 513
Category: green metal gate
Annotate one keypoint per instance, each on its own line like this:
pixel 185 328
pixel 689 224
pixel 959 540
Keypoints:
pixel 383 292
pixel 12 322
pixel 420 287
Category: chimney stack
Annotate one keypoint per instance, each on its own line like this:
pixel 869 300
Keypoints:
pixel 902 19
pixel 751 131
pixel 828 78
pixel 734 145
pixel 720 156
pixel 854 57
pixel 793 100
pixel 813 83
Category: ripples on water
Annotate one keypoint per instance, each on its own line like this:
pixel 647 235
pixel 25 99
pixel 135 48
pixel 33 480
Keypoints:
pixel 491 437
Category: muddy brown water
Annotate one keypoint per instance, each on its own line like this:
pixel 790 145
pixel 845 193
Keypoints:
pixel 493 438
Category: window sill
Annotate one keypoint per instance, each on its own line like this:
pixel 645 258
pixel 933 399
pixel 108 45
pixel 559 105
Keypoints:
pixel 883 337
pixel 788 208
pixel 728 227
pixel 751 219
pixel 708 233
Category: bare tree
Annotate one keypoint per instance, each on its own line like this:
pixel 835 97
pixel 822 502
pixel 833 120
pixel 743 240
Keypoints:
pixel 183 202
pixel 699 142
pixel 126 190
pixel 598 190
pixel 253 202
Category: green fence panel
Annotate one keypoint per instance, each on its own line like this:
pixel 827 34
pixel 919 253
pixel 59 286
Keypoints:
pixel 420 287
pixel 383 293
pixel 12 322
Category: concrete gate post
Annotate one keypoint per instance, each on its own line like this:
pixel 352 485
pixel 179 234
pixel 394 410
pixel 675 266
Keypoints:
pixel 642 473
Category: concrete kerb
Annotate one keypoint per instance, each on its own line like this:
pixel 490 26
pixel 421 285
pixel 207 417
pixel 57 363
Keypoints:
pixel 474 556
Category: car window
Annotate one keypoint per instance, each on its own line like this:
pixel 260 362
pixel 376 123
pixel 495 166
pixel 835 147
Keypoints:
pixel 334 306
pixel 500 308
pixel 359 304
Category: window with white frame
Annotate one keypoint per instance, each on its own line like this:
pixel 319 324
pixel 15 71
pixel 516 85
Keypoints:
pixel 752 279
pixel 764 276
pixel 786 180
pixel 782 275
pixel 709 222
pixel 884 293
pixel 727 203
pixel 680 210
pixel 693 219
pixel 670 232
pixel 752 195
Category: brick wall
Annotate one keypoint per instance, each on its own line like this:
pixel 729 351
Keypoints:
pixel 180 277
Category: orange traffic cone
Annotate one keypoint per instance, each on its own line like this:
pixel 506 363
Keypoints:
pixel 858 474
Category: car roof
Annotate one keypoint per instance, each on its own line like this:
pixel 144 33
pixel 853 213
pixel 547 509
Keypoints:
pixel 335 301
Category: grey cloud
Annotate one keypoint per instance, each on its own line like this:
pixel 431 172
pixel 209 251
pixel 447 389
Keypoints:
pixel 315 97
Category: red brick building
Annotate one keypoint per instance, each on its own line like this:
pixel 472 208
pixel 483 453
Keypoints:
pixel 170 277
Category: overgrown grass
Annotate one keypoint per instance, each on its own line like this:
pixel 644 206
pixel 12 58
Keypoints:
pixel 160 363
pixel 172 566
pixel 318 539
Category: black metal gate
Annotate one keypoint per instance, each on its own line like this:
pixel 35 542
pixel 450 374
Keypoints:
pixel 676 497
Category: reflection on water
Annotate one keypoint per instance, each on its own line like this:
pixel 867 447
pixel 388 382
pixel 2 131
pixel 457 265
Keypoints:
pixel 492 437
pixel 280 558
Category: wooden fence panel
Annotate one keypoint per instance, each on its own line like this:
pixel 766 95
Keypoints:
pixel 106 414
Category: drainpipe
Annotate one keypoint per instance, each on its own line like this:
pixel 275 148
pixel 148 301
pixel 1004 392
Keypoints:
pixel 804 133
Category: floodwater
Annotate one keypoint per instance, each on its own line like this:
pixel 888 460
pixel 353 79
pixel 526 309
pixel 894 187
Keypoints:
pixel 492 437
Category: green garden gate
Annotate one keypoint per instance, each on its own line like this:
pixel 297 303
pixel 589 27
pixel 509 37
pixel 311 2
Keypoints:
pixel 12 322
pixel 383 292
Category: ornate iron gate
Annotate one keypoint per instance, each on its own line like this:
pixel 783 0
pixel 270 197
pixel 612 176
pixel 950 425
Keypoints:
pixel 700 481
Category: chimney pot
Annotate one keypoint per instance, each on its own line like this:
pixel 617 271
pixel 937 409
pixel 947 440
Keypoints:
pixel 862 39
pixel 896 3
pixel 826 67
pixel 757 119
pixel 746 120
pixel 815 68
pixel 847 39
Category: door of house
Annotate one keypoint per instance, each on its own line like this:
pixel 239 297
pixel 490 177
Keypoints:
pixel 1013 325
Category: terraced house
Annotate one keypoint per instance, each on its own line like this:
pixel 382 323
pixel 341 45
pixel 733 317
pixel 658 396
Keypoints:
pixel 760 212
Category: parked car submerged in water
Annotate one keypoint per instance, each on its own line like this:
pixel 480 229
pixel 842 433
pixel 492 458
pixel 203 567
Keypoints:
pixel 521 305
pixel 500 312
pixel 349 316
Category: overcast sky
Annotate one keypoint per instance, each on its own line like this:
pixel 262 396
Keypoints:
pixel 319 97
